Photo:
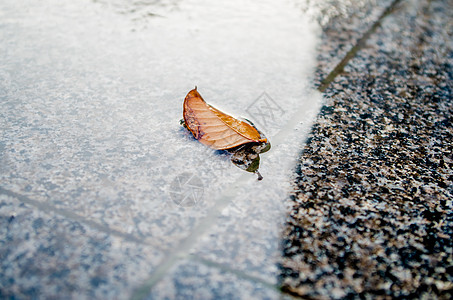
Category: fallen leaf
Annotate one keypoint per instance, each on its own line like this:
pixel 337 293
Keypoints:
pixel 220 131
pixel 214 128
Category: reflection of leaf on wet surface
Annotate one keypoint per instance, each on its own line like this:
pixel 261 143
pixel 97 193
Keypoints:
pixel 220 131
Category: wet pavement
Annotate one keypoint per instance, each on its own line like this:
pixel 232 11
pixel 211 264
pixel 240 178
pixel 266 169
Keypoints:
pixel 372 216
pixel 103 195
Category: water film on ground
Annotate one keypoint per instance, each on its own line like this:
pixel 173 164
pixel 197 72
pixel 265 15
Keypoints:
pixel 91 96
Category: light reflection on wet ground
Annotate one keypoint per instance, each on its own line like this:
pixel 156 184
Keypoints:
pixel 92 149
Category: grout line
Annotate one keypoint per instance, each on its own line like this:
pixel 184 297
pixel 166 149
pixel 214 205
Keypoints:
pixel 45 207
pixel 238 273
pixel 357 47
pixel 187 243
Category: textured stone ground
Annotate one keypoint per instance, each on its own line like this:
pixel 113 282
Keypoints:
pixel 347 22
pixel 372 213
pixel 45 255
pixel 371 216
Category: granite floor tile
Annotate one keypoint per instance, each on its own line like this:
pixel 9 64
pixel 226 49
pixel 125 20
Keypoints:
pixel 91 95
pixel 90 208
pixel 194 280
pixel 93 128
pixel 343 25
pixel 372 217
pixel 245 237
pixel 46 256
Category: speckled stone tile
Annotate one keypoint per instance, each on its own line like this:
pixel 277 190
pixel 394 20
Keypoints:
pixel 372 216
pixel 194 280
pixel 245 237
pixel 93 129
pixel 91 101
pixel 45 256
pixel 343 24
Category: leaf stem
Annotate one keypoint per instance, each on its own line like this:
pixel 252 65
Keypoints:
pixel 259 175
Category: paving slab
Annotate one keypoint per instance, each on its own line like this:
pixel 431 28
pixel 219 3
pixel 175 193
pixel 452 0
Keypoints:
pixel 343 24
pixel 45 255
pixel 192 280
pixel 245 236
pixel 92 156
pixel 372 217
pixel 91 97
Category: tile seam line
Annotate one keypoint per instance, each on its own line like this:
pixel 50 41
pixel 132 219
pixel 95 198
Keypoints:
pixel 356 48
pixel 187 243
pixel 236 272
pixel 46 208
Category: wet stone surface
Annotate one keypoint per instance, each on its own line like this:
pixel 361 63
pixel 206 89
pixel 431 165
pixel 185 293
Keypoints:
pixel 192 280
pixel 372 216
pixel 43 255
pixel 91 208
pixel 343 24
pixel 91 95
